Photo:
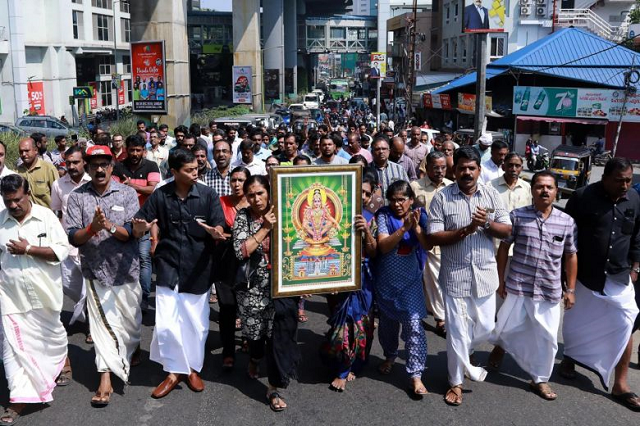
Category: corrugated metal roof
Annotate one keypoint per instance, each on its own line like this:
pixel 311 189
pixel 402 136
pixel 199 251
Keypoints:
pixel 570 53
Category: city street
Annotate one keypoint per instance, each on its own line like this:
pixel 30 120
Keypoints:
pixel 234 399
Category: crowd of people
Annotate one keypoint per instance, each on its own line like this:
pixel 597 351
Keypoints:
pixel 447 230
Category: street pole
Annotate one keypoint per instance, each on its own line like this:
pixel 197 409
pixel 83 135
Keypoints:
pixel 115 62
pixel 481 84
pixel 378 86
pixel 412 60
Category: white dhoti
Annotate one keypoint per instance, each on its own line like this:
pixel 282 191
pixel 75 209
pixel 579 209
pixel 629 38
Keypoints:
pixel 432 291
pixel 73 286
pixel 115 322
pixel 597 329
pixel 182 326
pixel 34 352
pixel 470 322
pixel 528 330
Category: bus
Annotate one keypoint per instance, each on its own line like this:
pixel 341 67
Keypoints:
pixel 339 88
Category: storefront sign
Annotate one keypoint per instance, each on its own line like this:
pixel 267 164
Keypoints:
pixel 571 102
pixel 82 92
pixel 148 76
pixel 467 102
pixel 36 97
pixel 242 84
pixel 437 101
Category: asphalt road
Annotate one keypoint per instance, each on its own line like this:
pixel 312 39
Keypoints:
pixel 233 399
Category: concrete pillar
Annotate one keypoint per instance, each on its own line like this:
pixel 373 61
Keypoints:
pixel 18 58
pixel 273 27
pixel 384 13
pixel 246 44
pixel 167 20
pixel 291 36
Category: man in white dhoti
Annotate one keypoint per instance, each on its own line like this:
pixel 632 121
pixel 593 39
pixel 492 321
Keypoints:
pixel 4 171
pixel 425 189
pixel 529 319
pixel 189 217
pixel 99 215
pixel 72 279
pixel 32 245
pixel 597 331
pixel 463 219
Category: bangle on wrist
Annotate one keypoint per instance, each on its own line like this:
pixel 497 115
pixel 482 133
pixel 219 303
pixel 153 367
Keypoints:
pixel 571 291
pixel 26 249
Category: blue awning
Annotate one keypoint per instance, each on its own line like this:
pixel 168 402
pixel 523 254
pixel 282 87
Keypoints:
pixel 468 79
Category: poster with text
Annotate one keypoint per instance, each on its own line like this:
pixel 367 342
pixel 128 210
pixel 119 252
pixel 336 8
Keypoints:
pixel 486 16
pixel 121 93
pixel 36 97
pixel 242 84
pixel 545 101
pixel 378 67
pixel 148 75
pixel 94 94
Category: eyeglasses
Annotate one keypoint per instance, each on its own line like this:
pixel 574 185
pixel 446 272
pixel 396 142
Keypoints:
pixel 400 200
pixel 96 166
pixel 367 193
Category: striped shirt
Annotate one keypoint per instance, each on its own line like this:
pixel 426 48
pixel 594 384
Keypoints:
pixel 539 245
pixel 468 266
pixel 388 174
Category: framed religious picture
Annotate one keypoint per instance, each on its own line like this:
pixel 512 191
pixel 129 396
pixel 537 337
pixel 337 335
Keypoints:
pixel 315 248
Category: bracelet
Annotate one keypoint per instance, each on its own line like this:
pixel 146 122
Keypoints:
pixel 571 291
pixel 26 249
pixel 90 231
pixel 255 239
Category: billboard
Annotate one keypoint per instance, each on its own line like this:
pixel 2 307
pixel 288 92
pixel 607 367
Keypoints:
pixel 467 102
pixel 378 67
pixel 242 84
pixel 437 101
pixel 36 97
pixel 483 17
pixel 148 76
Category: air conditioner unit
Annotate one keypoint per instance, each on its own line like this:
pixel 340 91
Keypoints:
pixel 524 11
pixel 541 11
pixel 524 2
pixel 540 2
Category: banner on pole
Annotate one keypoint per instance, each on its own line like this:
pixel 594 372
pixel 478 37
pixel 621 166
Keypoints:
pixel 148 70
pixel 242 84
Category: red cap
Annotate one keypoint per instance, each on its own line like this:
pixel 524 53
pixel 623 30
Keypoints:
pixel 99 151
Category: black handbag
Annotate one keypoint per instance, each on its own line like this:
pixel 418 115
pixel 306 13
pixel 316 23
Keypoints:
pixel 246 270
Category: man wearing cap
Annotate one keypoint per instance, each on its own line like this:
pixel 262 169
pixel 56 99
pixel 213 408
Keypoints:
pixel 99 215
pixel 482 147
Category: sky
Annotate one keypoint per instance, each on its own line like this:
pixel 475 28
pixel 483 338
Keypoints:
pixel 220 5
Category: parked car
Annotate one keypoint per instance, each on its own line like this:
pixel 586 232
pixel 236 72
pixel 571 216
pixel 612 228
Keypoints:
pixel 46 124
pixel 311 100
pixel 297 108
pixel 10 128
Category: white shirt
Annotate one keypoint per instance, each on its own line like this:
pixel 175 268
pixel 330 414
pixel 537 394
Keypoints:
pixel 158 156
pixel 490 171
pixel 481 13
pixel 256 167
pixel 5 172
pixel 169 142
pixel 28 282
pixel 60 191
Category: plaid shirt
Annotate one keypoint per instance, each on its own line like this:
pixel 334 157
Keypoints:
pixel 219 183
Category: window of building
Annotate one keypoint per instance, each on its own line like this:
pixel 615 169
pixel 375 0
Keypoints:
pixel 106 65
pixel 125 29
pixel 76 1
pixel 78 24
pixel 446 50
pixel 128 92
pixel 315 31
pixel 463 47
pixel 447 13
pixel 102 4
pixel 497 47
pixel 124 6
pixel 101 26
pixel 126 64
pixel 337 33
pixel 456 9
pixel 105 93
pixel 454 50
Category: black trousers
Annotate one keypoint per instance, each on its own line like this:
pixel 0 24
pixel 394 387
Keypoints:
pixel 228 312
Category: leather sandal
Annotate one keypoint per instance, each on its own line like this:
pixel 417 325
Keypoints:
pixel 101 399
pixel 457 391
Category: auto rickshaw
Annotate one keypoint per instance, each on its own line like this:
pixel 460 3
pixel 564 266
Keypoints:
pixel 571 166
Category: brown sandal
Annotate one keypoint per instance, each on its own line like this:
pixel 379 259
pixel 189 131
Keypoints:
pixel 543 390
pixel 457 391
pixel 12 414
pixel 65 376
pixel 101 399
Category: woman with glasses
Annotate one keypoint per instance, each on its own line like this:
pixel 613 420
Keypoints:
pixel 402 247
pixel 349 340
pixel 225 273
pixel 265 321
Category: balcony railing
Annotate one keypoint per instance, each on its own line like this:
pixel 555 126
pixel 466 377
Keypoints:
pixel 589 20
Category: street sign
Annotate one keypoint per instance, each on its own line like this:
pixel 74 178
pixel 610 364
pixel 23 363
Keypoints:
pixel 82 92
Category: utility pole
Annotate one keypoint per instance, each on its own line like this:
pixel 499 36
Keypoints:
pixel 481 84
pixel 412 59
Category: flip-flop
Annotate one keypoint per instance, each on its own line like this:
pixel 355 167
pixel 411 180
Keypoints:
pixel 65 377
pixel 272 397
pixel 102 399
pixel 543 390
pixel 11 414
pixel 627 400
pixel 458 401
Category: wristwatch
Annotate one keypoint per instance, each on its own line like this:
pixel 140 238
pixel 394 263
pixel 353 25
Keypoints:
pixel 636 270
pixel 112 230
pixel 486 225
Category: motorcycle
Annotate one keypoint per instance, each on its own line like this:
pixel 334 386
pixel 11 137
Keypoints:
pixel 536 163
pixel 599 159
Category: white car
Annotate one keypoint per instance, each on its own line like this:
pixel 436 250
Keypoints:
pixel 297 107
pixel 311 100
pixel 320 94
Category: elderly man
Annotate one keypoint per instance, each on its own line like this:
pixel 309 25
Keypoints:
pixel 492 168
pixel 39 173
pixel 387 171
pixel 396 154
pixel 32 245
pixel 515 192
pixel 99 215
pixel 597 332
pixel 414 149
pixel 482 146
pixel 529 320
pixel 464 218
pixel 355 147
pixel 72 280
pixel 425 189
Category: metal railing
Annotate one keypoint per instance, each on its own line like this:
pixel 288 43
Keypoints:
pixel 586 18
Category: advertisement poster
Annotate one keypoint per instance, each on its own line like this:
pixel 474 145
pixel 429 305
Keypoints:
pixel 486 16
pixel 467 102
pixel 148 76
pixel 593 103
pixel 437 101
pixel 242 84
pixel 317 249
pixel 272 84
pixel 545 101
pixel 94 94
pixel 631 110
pixel 36 97
pixel 121 93
pixel 378 67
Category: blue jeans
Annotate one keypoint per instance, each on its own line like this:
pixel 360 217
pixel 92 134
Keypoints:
pixel 144 249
